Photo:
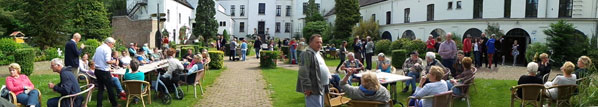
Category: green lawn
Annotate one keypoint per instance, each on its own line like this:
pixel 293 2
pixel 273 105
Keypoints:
pixel 488 93
pixel 41 83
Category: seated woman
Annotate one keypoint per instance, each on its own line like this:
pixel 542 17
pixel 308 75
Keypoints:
pixel 436 86
pixel 84 63
pixel 133 73
pixel 566 79
pixel 530 78
pixel 462 78
pixel 173 65
pixel 383 63
pixel 370 89
pixel 206 56
pixel 114 80
pixel 583 63
pixel 196 68
pixel 22 87
pixel 141 57
pixel 352 65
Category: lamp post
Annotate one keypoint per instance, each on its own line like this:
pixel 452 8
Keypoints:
pixel 159 17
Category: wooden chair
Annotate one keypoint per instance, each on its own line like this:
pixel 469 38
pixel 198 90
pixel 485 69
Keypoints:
pixel 13 98
pixel 464 89
pixel 73 97
pixel 197 81
pixel 564 93
pixel 335 98
pixel 530 93
pixel 333 54
pixel 139 89
pixel 362 103
pixel 444 99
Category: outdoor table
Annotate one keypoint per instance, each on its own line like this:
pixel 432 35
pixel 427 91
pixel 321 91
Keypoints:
pixel 388 78
pixel 144 68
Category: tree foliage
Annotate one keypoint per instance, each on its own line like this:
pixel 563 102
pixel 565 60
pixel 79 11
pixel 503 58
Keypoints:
pixel 46 22
pixel 347 14
pixel 367 28
pixel 317 27
pixel 205 22
pixel 567 45
pixel 493 28
pixel 312 12
pixel 90 19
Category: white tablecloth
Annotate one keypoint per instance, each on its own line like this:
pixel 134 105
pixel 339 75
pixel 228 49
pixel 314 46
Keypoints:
pixel 385 78
pixel 145 68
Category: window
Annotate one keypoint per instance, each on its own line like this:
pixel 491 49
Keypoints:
pixel 373 17
pixel 242 27
pixel 388 15
pixel 565 8
pixel 262 8
pixel 232 10
pixel 507 13
pixel 288 11
pixel 277 30
pixel 531 8
pixel 478 7
pixel 450 5
pixel 242 10
pixel 277 10
pixel 287 27
pixel 430 12
pixel 222 23
pixel 304 7
pixel 458 4
pixel 406 19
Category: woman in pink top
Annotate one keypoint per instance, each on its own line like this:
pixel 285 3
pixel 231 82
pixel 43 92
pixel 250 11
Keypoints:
pixel 22 87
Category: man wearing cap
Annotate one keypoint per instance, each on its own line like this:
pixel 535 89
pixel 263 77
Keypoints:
pixel 410 69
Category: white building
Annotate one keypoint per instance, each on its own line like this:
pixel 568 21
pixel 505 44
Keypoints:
pixel 277 18
pixel 522 20
pixel 178 14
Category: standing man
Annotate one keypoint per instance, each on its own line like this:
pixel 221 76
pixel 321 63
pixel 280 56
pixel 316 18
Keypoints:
pixel 233 49
pixel 68 85
pixel 256 45
pixel 490 50
pixel 467 45
pixel 342 54
pixel 369 52
pixel 484 49
pixel 222 42
pixel 313 76
pixel 448 52
pixel 72 53
pixel 102 59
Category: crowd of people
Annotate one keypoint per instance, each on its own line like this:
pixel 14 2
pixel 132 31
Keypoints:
pixel 455 67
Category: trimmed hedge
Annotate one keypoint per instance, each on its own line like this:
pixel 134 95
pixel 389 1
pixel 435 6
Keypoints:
pixel 51 53
pixel 217 58
pixel 268 59
pixel 25 58
pixel 382 46
pixel 8 46
pixel 416 45
pixel 5 59
pixel 398 56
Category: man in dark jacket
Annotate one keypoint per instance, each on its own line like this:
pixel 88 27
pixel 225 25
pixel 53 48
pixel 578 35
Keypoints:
pixel 313 76
pixel 72 53
pixel 256 45
pixel 221 42
pixel 68 85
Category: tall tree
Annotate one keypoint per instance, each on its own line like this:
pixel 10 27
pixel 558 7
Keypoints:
pixel 566 43
pixel 90 19
pixel 313 13
pixel 205 22
pixel 367 28
pixel 46 22
pixel 347 15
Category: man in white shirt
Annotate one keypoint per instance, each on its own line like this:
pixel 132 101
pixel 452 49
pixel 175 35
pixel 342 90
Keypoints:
pixel 102 59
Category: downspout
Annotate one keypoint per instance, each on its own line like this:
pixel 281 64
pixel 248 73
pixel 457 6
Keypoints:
pixel 546 10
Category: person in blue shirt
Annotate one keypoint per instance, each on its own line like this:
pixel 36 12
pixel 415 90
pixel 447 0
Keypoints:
pixel 383 63
pixel 141 57
pixel 244 49
pixel 132 50
pixel 491 49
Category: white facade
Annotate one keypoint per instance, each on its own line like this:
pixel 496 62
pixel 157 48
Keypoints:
pixel 249 22
pixel 225 22
pixel 177 14
pixel 459 20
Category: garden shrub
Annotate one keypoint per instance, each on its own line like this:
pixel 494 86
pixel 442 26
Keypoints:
pixel 285 50
pixel 587 92
pixel 8 46
pixel 566 43
pixel 51 53
pixel 382 46
pixel 416 45
pixel 268 59
pixel 534 50
pixel 398 57
pixel 217 59
pixel 4 59
pixel 399 44
pixel 90 46
pixel 25 58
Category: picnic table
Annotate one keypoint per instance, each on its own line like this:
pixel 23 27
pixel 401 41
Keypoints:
pixel 387 79
pixel 144 68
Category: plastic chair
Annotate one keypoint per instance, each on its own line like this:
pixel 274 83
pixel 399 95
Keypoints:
pixel 73 97
pixel 464 89
pixel 564 93
pixel 335 98
pixel 444 99
pixel 139 89
pixel 530 94
pixel 197 81
pixel 13 98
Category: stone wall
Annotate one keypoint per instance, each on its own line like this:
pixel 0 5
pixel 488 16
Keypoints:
pixel 134 31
